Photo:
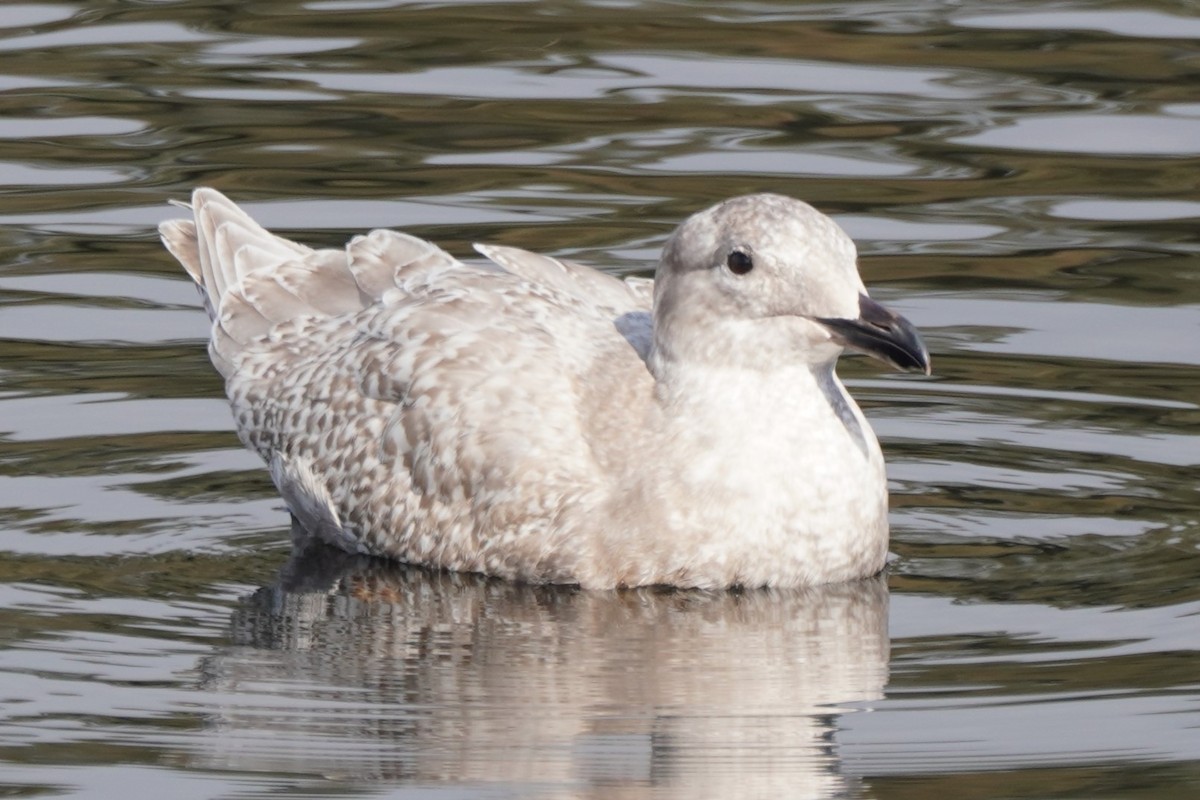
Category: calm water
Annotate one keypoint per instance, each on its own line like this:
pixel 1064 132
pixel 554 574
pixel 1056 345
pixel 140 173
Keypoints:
pixel 1022 180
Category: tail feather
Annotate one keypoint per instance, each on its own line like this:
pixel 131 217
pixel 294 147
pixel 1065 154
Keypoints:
pixel 324 282
pixel 179 237
pixel 268 298
pixel 383 260
pixel 240 321
pixel 232 245
pixel 253 280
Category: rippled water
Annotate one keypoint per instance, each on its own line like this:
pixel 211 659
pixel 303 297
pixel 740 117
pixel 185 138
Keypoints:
pixel 1022 180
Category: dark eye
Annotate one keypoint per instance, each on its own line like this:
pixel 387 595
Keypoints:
pixel 739 263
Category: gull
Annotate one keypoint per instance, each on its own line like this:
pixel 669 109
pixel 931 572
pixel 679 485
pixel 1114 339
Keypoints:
pixel 541 421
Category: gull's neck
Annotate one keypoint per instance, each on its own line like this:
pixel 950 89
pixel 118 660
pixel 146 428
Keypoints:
pixel 784 401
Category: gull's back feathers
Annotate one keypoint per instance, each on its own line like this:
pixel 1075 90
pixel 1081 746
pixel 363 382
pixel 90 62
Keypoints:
pixel 529 418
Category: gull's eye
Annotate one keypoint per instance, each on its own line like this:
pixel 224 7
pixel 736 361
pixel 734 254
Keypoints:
pixel 739 263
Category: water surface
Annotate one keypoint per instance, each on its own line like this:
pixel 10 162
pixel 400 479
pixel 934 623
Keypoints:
pixel 1021 182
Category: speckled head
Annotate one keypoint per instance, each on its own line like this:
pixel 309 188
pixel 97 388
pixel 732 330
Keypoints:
pixel 763 279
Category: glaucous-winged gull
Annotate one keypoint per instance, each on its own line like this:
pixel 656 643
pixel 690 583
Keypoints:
pixel 539 420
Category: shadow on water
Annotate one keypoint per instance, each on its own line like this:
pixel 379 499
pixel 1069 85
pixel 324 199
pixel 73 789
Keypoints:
pixel 432 677
pixel 1021 181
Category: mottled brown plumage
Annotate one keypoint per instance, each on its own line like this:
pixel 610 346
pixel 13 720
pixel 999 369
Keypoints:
pixel 540 420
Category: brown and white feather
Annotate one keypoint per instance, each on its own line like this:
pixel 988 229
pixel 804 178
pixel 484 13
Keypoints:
pixel 510 421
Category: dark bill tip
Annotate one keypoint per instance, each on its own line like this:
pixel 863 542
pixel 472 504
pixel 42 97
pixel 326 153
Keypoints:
pixel 883 334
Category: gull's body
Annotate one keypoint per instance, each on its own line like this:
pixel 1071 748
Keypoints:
pixel 546 422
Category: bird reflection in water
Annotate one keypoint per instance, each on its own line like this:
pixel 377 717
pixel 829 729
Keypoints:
pixel 367 670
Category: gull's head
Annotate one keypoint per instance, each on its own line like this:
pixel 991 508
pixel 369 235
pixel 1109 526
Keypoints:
pixel 764 279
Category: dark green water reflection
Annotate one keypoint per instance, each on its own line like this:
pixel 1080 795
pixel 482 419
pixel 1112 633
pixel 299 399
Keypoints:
pixel 1021 179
